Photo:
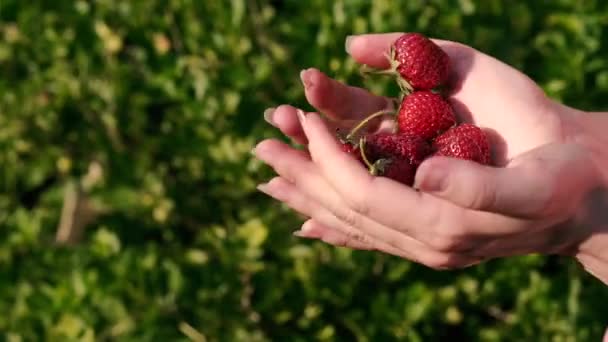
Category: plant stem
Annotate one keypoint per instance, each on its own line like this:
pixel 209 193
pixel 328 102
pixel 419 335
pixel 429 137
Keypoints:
pixel 366 120
pixel 363 156
pixel 366 70
pixel 405 86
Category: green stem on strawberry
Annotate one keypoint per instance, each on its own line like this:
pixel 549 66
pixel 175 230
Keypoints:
pixel 405 86
pixel 367 120
pixel 363 156
pixel 379 167
pixel 367 70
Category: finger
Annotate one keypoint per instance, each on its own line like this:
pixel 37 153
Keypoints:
pixel 594 266
pixel 339 101
pixel 279 117
pixel 304 187
pixel 288 124
pixel 510 191
pixel 347 236
pixel 281 189
pixel 544 183
pixel 422 216
pixel 313 229
pixel 371 49
pixel 284 118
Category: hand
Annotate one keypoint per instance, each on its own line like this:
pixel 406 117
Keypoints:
pixel 535 203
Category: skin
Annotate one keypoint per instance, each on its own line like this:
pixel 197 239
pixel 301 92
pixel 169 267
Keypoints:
pixel 545 194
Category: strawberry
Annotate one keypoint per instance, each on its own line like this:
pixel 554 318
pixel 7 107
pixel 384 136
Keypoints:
pixel 465 141
pixel 347 147
pixel 416 62
pixel 395 156
pixel 387 145
pixel 419 61
pixel 350 142
pixel 425 114
pixel 397 169
pixel 352 150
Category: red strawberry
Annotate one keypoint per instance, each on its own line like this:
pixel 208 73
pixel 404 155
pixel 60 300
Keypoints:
pixel 395 156
pixel 465 141
pixel 396 169
pixel 425 114
pixel 352 150
pixel 348 147
pixel 387 145
pixel 419 61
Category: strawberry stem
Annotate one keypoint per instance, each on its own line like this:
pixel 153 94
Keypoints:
pixel 405 86
pixel 365 70
pixel 366 120
pixel 363 156
pixel 379 167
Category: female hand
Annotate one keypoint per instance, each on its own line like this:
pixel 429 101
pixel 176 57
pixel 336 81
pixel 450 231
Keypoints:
pixel 538 201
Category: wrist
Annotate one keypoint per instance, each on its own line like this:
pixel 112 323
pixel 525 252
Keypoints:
pixel 592 219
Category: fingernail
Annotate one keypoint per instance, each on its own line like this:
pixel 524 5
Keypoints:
pixel 273 191
pixel 301 116
pixel 432 180
pixel 268 113
pixel 263 187
pixel 303 231
pixel 347 43
pixel 304 235
pixel 260 148
pixel 305 79
pixel 307 231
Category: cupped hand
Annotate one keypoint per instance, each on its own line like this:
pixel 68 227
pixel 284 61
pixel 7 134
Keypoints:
pixel 536 201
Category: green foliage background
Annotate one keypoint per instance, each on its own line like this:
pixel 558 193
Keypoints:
pixel 166 98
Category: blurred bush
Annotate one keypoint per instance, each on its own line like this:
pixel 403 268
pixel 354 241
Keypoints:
pixel 134 120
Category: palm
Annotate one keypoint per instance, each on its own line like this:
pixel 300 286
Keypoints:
pixel 491 94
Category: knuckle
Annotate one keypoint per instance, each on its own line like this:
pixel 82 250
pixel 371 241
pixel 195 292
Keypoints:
pixel 478 193
pixel 338 241
pixel 478 199
pixel 358 202
pixel 355 244
pixel 486 197
pixel 449 242
pixel 347 238
pixel 450 234
pixel 350 217
pixel 358 237
pixel 432 217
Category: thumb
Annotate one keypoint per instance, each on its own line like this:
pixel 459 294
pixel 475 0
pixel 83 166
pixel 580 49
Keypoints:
pixel 545 181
